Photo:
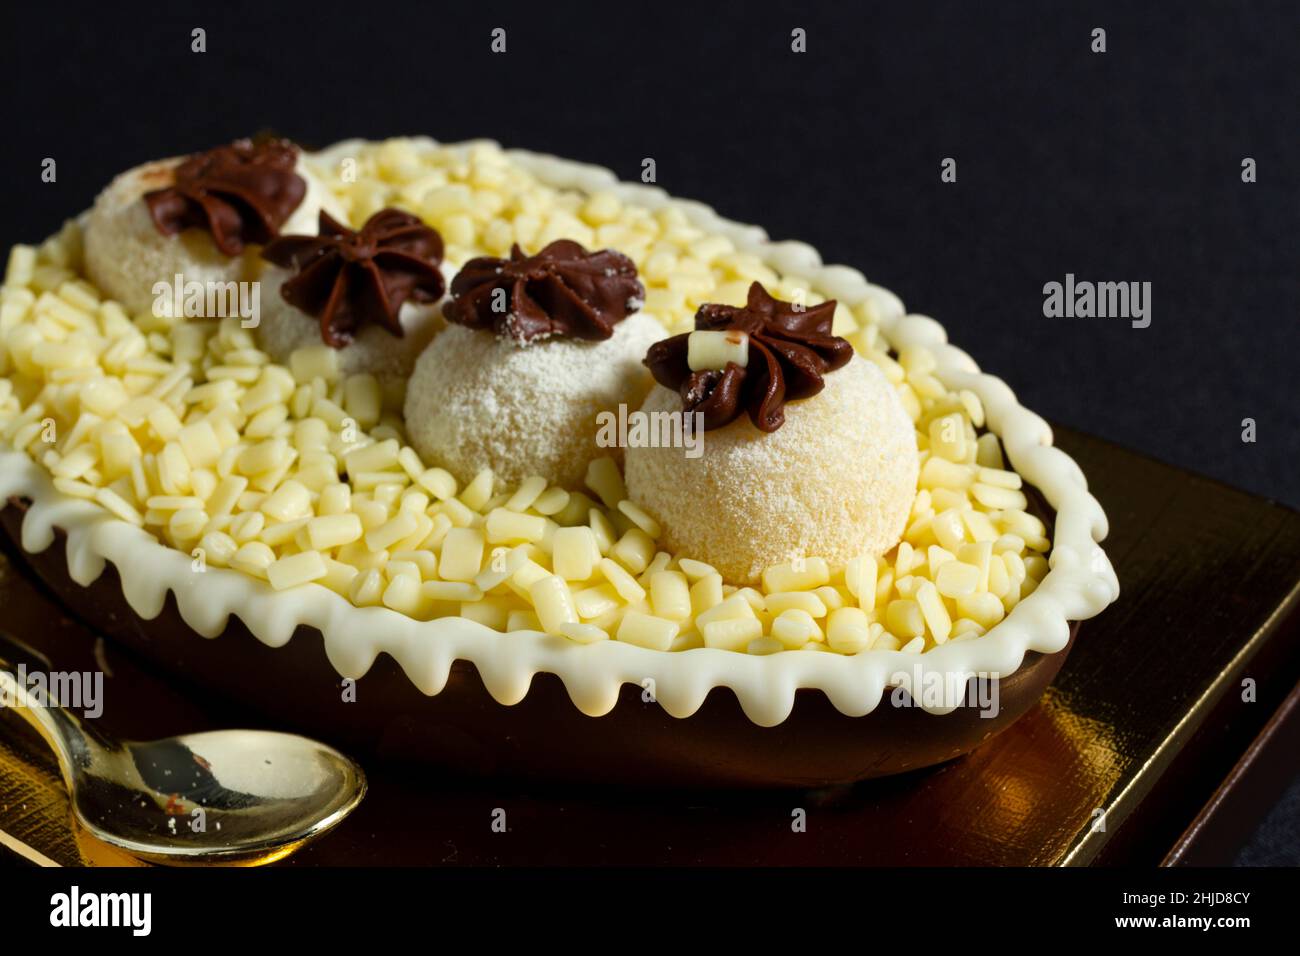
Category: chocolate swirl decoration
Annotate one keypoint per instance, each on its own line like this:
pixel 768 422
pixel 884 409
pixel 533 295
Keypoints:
pixel 346 278
pixel 240 193
pixel 562 290
pixel 790 349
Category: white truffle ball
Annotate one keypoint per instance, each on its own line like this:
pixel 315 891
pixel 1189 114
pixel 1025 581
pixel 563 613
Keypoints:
pixel 305 220
pixel 836 481
pixel 284 328
pixel 478 401
pixel 125 254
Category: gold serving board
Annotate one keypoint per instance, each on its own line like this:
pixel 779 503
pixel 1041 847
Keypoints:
pixel 1141 726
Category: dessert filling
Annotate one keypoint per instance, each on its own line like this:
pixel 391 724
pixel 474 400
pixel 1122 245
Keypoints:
pixel 847 500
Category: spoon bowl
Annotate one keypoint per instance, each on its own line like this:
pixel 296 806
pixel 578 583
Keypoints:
pixel 225 796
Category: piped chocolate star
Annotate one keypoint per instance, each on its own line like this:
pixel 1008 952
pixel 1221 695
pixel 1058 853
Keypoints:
pixel 789 351
pixel 562 290
pixel 240 193
pixel 346 278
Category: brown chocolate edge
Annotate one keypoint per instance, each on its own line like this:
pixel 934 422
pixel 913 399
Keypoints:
pixel 464 731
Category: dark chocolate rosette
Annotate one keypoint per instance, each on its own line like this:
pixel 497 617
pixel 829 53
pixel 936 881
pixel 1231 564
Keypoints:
pixel 790 349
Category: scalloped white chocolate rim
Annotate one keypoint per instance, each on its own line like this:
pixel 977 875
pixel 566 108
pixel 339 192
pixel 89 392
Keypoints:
pixel 1079 584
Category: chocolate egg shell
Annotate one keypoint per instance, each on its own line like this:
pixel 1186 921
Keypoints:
pixel 464 731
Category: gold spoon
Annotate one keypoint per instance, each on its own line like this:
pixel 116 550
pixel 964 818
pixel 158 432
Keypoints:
pixel 226 796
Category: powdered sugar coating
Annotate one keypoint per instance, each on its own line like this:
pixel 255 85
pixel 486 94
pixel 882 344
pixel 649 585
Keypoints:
pixel 1079 585
pixel 476 401
pixel 125 254
pixel 837 480
pixel 284 328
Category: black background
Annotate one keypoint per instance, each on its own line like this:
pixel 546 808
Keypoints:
pixel 1122 166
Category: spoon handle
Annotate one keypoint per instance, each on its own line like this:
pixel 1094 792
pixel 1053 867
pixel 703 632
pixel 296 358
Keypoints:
pixel 27 692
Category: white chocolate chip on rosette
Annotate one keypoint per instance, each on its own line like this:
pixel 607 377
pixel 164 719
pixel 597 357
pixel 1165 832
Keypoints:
pixel 713 350
pixel 127 252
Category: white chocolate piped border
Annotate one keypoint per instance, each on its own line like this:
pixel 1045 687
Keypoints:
pixel 1079 584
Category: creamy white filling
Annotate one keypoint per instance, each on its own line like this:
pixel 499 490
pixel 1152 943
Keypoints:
pixel 1080 584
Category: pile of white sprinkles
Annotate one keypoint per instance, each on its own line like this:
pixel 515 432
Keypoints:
pixel 303 475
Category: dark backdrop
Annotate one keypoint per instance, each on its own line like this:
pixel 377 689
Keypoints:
pixel 1117 166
